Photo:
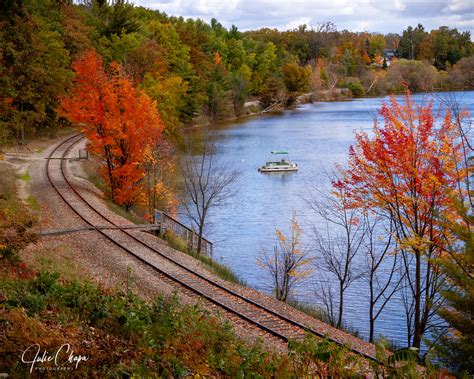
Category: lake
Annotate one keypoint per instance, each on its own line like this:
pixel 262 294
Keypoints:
pixel 317 136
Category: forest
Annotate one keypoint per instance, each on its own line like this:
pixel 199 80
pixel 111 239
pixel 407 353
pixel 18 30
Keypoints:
pixel 198 72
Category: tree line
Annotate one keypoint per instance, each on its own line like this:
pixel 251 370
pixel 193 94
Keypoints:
pixel 197 71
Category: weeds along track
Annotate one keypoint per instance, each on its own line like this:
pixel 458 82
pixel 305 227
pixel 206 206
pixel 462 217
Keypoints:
pixel 239 308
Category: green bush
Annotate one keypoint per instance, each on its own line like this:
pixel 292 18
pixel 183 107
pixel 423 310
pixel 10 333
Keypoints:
pixel 356 88
pixel 10 254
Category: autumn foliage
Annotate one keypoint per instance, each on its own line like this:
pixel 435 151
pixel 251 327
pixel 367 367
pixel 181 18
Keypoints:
pixel 119 121
pixel 408 166
pixel 406 170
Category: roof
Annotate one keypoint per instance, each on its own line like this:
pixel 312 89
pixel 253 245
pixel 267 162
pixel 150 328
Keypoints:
pixel 280 152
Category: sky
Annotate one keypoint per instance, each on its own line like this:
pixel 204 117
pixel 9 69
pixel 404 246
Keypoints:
pixel 392 16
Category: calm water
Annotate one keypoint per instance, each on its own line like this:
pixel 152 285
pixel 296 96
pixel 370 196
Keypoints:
pixel 318 136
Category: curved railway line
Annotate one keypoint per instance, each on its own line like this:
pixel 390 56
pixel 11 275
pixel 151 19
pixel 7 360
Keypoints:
pixel 194 284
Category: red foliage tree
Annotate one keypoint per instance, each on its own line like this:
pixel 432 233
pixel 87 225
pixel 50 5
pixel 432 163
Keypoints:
pixel 119 120
pixel 407 171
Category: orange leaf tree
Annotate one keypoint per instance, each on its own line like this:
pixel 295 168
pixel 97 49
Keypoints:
pixel 120 122
pixel 406 171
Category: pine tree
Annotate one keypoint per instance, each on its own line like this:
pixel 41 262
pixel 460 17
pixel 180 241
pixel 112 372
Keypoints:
pixel 456 348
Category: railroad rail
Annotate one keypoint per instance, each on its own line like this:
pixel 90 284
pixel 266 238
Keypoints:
pixel 250 311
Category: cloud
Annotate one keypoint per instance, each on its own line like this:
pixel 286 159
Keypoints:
pixel 301 21
pixel 356 15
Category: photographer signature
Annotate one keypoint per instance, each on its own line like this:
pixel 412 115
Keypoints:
pixel 62 358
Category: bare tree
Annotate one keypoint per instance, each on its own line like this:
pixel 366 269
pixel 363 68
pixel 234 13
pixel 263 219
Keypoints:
pixel 341 242
pixel 288 262
pixel 207 182
pixel 383 274
pixel 327 294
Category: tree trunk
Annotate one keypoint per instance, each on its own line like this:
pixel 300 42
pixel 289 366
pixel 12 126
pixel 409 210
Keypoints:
pixel 200 238
pixel 417 333
pixel 371 310
pixel 109 171
pixel 341 304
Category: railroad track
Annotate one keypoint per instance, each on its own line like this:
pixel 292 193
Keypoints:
pixel 191 283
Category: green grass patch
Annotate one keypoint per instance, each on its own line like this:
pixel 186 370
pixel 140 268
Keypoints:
pixel 57 259
pixel 33 203
pixel 91 169
pixel 221 270
pixel 308 309
pixel 24 176
pixel 318 313
pixel 123 212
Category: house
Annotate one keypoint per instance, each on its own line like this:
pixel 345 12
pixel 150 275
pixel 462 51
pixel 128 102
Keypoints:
pixel 389 55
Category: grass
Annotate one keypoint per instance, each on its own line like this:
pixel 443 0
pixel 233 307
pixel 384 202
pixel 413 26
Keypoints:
pixel 221 270
pixel 318 313
pixel 55 259
pixel 14 214
pixel 24 176
pixel 33 203
pixel 91 168
pixel 123 212
pixel 308 309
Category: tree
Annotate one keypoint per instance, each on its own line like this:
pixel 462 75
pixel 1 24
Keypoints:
pixel 217 89
pixel 207 183
pixel 239 82
pixel 449 46
pixel 418 76
pixel 168 91
pixel 265 68
pixel 455 348
pixel 297 79
pixel 120 122
pixel 34 72
pixel 462 73
pixel 381 257
pixel 288 263
pixel 406 172
pixel 410 42
pixel 337 247
pixel 377 44
pixel 159 178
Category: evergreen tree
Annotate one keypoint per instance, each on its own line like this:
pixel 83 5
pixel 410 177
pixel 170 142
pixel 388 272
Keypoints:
pixel 456 348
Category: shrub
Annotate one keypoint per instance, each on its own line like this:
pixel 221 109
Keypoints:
pixel 356 88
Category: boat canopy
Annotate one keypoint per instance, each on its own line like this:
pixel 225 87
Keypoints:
pixel 280 152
